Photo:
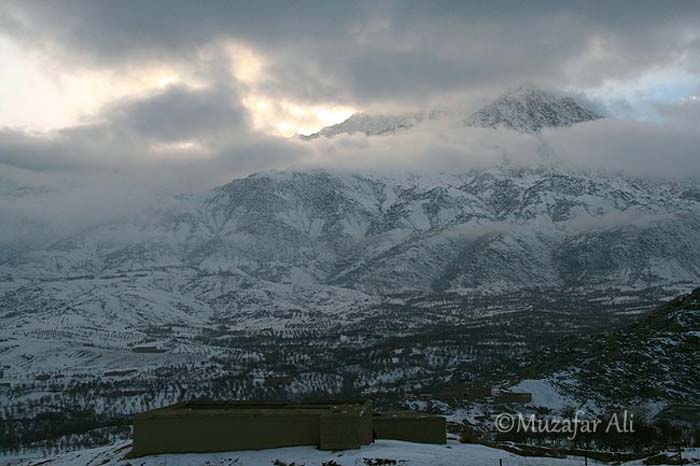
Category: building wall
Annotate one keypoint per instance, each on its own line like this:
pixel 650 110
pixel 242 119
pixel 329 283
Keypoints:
pixel 215 426
pixel 514 397
pixel 417 428
pixel 200 433
pixel 345 431
pixel 464 391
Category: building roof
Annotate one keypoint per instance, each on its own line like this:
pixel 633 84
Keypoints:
pixel 257 408
pixel 405 415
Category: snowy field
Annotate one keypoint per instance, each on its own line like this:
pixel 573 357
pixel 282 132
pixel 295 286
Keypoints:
pixel 390 451
pixel 381 453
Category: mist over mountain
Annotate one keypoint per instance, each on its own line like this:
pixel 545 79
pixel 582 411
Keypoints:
pixel 525 108
pixel 352 229
pixel 327 241
pixel 324 243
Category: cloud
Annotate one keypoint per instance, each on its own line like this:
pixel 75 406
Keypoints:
pixel 651 149
pixel 183 96
pixel 637 148
pixel 363 52
pixel 181 114
pixel 684 113
pixel 433 146
pixel 139 151
pixel 178 139
pixel 90 175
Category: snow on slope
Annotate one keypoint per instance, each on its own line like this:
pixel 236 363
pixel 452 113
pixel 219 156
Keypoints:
pixel 526 109
pixel 529 110
pixel 544 394
pixel 370 125
pixel 291 240
pixel 272 248
pixel 404 453
pixel 657 355
pixel 322 228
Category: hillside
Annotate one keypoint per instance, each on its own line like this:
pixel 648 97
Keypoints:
pixel 279 248
pixel 653 360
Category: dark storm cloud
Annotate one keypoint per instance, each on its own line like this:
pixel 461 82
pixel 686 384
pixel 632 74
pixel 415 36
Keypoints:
pixel 114 30
pixel 179 113
pixel 400 52
pixel 124 138
pixel 392 51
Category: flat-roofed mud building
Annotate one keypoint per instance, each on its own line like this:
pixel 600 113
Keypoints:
pixel 410 427
pixel 196 427
pixel 210 426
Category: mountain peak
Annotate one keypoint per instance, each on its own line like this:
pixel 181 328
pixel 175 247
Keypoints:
pixel 370 125
pixel 526 89
pixel 525 108
pixel 529 109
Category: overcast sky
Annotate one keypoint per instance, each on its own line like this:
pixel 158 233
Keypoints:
pixel 185 95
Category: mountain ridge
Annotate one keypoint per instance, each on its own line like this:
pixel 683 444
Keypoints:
pixel 526 109
pixel 301 209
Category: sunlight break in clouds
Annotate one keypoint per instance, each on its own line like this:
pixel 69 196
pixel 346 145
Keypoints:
pixel 44 91
pixel 274 115
pixel 183 149
pixel 286 118
pixel 41 92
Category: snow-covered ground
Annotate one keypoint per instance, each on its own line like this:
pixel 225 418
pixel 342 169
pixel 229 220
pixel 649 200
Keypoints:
pixel 403 453
pixel 382 452
pixel 544 394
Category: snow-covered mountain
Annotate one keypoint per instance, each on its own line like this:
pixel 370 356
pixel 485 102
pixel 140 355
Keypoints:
pixel 216 294
pixel 529 110
pixel 525 109
pixel 211 294
pixel 326 242
pixel 510 227
pixel 370 125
